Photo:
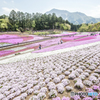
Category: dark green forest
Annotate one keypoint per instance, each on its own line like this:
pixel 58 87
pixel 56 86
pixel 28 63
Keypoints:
pixel 19 21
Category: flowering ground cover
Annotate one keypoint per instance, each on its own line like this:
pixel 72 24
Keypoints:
pixel 52 77
pixel 6 52
pixel 14 39
pixel 45 43
pixel 55 41
pixel 13 51
pixel 65 39
pixel 87 38
pixel 52 44
pixel 81 41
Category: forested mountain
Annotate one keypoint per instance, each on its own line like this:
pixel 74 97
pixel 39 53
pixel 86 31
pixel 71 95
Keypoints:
pixel 74 17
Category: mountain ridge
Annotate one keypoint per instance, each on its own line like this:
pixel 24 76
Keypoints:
pixel 74 17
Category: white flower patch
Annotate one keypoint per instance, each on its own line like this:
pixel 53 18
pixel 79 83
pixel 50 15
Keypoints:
pixel 44 90
pixel 61 77
pixel 1 96
pixel 82 67
pixel 30 91
pixel 91 68
pixel 51 85
pixel 95 74
pixel 47 80
pixel 97 71
pixel 41 84
pixel 98 67
pixel 79 70
pixel 23 89
pixel 17 92
pixel 67 67
pixel 41 96
pixel 7 93
pixel 69 88
pixel 29 86
pixel 66 73
pixel 40 79
pixel 52 93
pixel 46 76
pixel 71 69
pixel 61 89
pixel 17 98
pixel 86 65
pixel 82 77
pixel 34 98
pixel 72 76
pixel 56 80
pixel 58 72
pixel 99 79
pixel 23 96
pixel 92 78
pixel 53 75
pixel 60 85
pixel 74 67
pixel 37 87
pixel 11 96
pixel 79 84
pixel 76 73
pixel 36 92
pixel 87 83
pixel 86 74
pixel 65 82
pixel 88 71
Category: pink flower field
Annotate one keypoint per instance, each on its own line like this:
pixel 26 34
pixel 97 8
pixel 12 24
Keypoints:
pixel 47 45
pixel 77 42
pixel 14 39
pixel 65 39
pixel 5 52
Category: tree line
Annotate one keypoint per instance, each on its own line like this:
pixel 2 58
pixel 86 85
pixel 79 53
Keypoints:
pixel 19 21
pixel 89 27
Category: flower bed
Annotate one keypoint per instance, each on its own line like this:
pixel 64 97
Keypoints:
pixel 14 39
pixel 77 42
pixel 45 78
pixel 86 38
pixel 65 39
pixel 45 43
pixel 5 52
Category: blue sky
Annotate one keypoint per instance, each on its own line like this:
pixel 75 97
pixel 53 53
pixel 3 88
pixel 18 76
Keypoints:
pixel 89 7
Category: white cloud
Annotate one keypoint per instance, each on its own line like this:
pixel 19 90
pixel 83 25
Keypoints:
pixel 8 10
pixel 95 12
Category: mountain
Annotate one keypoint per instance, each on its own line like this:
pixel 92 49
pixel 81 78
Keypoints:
pixel 74 17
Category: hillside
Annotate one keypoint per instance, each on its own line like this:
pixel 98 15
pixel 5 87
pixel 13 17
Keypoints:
pixel 74 17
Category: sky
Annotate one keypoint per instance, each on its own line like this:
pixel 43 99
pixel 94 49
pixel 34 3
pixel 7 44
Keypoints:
pixel 88 7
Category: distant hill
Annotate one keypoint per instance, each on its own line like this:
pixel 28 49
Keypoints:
pixel 74 17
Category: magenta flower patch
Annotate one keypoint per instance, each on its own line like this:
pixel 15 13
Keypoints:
pixel 5 52
pixel 13 39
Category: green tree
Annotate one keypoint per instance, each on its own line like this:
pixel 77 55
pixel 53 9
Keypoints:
pixel 83 28
pixel 12 19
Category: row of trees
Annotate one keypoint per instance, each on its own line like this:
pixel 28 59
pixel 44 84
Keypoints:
pixel 24 21
pixel 89 27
